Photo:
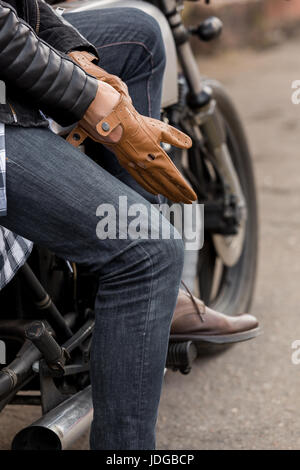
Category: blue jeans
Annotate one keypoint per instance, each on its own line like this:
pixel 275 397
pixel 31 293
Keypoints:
pixel 53 193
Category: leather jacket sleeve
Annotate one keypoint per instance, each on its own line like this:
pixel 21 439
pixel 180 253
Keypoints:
pixel 58 32
pixel 54 83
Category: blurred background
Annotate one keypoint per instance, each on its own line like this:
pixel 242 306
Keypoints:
pixel 255 23
pixel 248 398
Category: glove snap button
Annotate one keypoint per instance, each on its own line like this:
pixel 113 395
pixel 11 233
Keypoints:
pixel 76 136
pixel 105 126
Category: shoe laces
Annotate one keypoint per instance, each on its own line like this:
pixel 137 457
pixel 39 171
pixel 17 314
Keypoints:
pixel 193 299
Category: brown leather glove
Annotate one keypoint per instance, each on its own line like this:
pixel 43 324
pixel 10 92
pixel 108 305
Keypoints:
pixel 138 149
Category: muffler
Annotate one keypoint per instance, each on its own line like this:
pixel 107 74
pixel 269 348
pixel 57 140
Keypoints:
pixel 59 428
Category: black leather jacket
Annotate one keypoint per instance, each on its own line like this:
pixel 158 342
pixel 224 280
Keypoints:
pixel 37 73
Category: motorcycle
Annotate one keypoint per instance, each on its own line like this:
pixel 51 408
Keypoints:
pixel 47 317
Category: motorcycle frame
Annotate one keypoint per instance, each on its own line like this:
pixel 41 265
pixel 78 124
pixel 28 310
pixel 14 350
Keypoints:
pixel 29 361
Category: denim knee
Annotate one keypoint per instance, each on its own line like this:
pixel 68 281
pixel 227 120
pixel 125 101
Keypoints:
pixel 175 251
pixel 170 258
pixel 147 27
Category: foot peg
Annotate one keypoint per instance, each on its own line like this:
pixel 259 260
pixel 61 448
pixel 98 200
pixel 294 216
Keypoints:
pixel 181 356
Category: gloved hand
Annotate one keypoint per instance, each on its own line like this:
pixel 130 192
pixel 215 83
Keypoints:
pixel 137 146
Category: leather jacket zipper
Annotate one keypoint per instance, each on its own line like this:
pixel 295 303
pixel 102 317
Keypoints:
pixel 13 112
pixel 38 18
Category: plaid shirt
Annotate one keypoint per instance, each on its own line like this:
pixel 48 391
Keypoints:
pixel 3 201
pixel 14 249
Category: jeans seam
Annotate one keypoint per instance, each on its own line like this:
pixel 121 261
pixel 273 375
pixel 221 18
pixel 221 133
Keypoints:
pixel 143 348
pixel 138 43
pixel 140 394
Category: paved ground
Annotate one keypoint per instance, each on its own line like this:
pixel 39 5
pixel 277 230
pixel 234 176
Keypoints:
pixel 247 398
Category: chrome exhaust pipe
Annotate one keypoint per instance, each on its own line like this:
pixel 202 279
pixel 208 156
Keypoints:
pixel 59 428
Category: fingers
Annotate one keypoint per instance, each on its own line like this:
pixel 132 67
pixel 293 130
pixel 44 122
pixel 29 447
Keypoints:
pixel 173 136
pixel 160 176
pixel 115 82
pixel 170 178
pixel 142 177
pixel 170 134
pixel 156 182
pixel 179 187
pixel 144 182
pixel 85 60
pixel 173 185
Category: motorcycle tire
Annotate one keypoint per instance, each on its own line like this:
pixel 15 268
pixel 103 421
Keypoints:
pixel 234 291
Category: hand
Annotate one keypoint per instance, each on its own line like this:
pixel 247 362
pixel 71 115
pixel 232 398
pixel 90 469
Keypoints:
pixel 113 121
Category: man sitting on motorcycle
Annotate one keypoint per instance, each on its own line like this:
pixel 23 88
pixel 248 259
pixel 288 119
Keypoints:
pixel 53 191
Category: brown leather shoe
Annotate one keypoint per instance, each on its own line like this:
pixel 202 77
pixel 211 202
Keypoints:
pixel 192 320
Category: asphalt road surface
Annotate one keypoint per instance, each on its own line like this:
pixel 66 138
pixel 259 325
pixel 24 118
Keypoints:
pixel 248 397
